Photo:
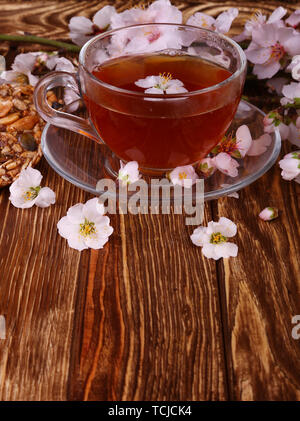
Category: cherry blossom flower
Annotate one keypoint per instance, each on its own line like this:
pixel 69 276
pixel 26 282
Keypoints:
pixel 290 165
pixel 294 19
pixel 150 38
pixel 268 214
pixel 26 191
pixel 207 166
pixel 162 84
pixel 258 20
pixel 236 146
pixel 183 176
pixel 82 29
pixel 221 24
pixel 129 173
pixel 160 11
pixel 213 239
pixel 85 226
pixel 22 67
pixel 269 47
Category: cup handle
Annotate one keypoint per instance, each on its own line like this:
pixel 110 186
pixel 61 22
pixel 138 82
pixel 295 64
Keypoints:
pixel 60 118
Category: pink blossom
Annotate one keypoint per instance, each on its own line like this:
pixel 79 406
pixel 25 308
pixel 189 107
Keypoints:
pixel 82 29
pixel 268 214
pixel 270 44
pixel 258 20
pixel 207 166
pixel 221 24
pixel 290 165
pixel 272 121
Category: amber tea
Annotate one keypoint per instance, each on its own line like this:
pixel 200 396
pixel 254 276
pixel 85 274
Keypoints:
pixel 155 135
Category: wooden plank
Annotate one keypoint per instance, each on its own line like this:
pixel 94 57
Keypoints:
pixel 261 292
pixel 148 331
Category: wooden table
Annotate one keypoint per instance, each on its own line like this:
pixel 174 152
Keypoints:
pixel 147 317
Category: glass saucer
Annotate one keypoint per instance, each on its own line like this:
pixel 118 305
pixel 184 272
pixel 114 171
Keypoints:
pixel 84 162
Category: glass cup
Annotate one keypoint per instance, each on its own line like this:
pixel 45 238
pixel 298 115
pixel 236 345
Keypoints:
pixel 159 130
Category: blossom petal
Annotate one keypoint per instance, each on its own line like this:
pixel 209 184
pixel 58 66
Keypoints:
pixel 77 242
pixel 258 55
pixel 66 227
pixel 200 236
pixel 266 71
pixel 225 19
pixel 103 17
pixel 208 250
pixel 80 25
pixel 90 210
pixel 260 145
pixel 277 14
pixel 29 177
pixel 226 250
pixel 45 198
pixel 227 227
pixel 75 213
pixel 244 139
pixel 148 82
pixel 226 164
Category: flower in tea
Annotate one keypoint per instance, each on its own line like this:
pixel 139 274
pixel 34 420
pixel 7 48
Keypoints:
pixel 184 176
pixel 290 165
pixel 270 47
pixel 82 29
pixel 85 226
pixel 221 24
pixel 213 239
pixel 129 173
pixel 268 214
pixel 162 84
pixel 22 67
pixel 26 190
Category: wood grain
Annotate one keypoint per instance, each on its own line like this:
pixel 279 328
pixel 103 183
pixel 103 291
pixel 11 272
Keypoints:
pixel 147 317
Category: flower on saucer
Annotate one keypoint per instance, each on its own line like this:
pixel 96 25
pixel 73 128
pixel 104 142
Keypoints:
pixel 183 176
pixel 85 226
pixel 226 164
pixel 221 24
pixel 26 190
pixel 268 214
pixel 275 120
pixel 213 239
pixel 82 29
pixel 290 165
pixel 22 67
pixel 162 84
pixel 128 173
pixel 207 166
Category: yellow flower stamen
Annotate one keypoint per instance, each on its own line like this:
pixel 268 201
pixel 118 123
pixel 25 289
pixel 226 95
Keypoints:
pixel 165 77
pixel 217 238
pixel 32 193
pixel 87 228
pixel 182 176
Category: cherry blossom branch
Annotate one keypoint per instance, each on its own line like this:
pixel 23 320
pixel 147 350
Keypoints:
pixel 39 40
